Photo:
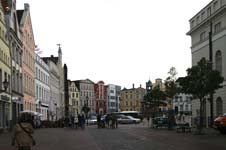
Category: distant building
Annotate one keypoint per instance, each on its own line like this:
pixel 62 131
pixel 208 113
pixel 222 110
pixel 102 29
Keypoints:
pixel 100 97
pixel 161 85
pixel 27 37
pixel 113 98
pixel 211 20
pixel 74 99
pixel 182 103
pixel 131 99
pixel 87 95
pixel 42 88
pixel 57 106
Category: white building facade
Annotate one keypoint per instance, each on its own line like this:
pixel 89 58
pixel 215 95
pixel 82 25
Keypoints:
pixel 42 87
pixel 211 19
pixel 113 98
pixel 74 99
pixel 182 103
pixel 87 95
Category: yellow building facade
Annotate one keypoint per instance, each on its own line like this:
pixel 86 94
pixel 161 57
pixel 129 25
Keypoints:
pixel 5 76
pixel 131 99
pixel 74 99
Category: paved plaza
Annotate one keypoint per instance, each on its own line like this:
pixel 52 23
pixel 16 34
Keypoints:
pixel 126 137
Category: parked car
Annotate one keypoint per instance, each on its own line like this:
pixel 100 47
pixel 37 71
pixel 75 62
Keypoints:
pixel 128 120
pixel 160 122
pixel 220 123
pixel 92 120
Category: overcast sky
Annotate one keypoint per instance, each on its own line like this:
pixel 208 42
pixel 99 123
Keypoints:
pixel 118 41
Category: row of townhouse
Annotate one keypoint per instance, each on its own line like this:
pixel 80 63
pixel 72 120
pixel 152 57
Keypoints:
pixel 27 82
pixel 100 98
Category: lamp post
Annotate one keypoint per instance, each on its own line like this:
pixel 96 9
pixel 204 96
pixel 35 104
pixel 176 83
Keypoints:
pixel 86 109
pixel 39 105
pixel 5 84
pixel 56 110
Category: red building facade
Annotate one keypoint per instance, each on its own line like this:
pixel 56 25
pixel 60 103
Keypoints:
pixel 101 97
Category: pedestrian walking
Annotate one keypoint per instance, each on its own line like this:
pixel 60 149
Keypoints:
pixel 76 122
pixel 107 119
pixel 83 121
pixel 72 121
pixel 22 133
pixel 148 119
pixel 99 125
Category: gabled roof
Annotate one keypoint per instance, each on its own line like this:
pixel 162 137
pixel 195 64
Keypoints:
pixel 52 58
pixel 85 81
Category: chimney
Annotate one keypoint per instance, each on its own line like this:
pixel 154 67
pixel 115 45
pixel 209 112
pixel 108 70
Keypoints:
pixel 140 86
pixel 51 56
pixel 133 85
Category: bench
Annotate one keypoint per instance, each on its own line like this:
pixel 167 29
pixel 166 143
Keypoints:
pixel 183 127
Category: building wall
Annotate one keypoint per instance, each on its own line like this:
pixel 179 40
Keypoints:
pixel 183 103
pixel 42 88
pixel 74 99
pixel 87 91
pixel 5 75
pixel 100 97
pixel 54 76
pixel 200 47
pixel 131 99
pixel 111 98
pixel 118 98
pixel 16 51
pixel 28 60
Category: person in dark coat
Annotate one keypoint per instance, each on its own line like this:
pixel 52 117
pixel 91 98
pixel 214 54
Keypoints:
pixel 83 121
pixel 99 121
pixel 22 133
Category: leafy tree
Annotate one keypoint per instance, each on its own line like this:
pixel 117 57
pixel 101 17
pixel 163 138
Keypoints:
pixel 153 100
pixel 171 88
pixel 201 81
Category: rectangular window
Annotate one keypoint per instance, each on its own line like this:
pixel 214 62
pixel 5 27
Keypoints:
pixel 202 36
pixel 197 20
pixel 217 27
pixel 215 5
pixel 203 15
pixel 208 11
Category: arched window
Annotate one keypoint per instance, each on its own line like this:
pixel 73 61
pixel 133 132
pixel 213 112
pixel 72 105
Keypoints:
pixel 219 106
pixel 218 59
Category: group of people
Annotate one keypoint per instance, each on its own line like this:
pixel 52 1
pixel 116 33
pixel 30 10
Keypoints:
pixel 109 121
pixel 77 121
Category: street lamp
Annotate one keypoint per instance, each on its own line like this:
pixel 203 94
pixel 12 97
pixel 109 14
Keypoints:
pixel 5 84
pixel 86 109
pixel 56 110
